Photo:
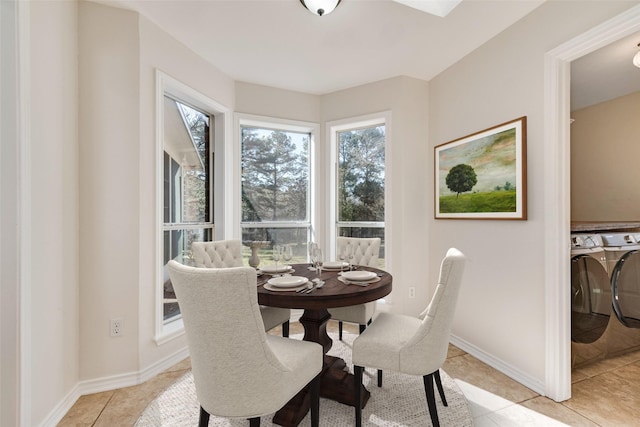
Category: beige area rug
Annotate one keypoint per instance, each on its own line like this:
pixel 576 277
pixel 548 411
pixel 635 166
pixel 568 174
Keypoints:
pixel 400 402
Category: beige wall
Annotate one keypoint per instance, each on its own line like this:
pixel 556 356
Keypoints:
pixel 93 186
pixel 502 303
pixel 605 161
pixel 53 261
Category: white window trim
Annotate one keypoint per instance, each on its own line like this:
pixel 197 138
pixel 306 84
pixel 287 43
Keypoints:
pixel 167 85
pixel 332 129
pixel 315 164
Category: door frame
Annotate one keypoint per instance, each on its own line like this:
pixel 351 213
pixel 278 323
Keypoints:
pixel 557 187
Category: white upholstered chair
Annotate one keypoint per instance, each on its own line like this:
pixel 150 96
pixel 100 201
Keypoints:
pixel 365 252
pixel 228 253
pixel 414 346
pixel 239 370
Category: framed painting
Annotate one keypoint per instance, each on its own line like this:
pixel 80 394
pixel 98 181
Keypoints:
pixel 483 175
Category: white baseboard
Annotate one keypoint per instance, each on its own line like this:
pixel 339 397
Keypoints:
pixel 111 383
pixel 510 371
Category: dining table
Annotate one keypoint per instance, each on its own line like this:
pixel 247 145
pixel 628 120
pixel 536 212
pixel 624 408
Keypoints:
pixel 336 382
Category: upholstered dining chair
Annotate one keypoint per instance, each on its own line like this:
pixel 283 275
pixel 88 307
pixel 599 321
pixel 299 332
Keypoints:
pixel 410 345
pixel 228 253
pixel 239 370
pixel 365 252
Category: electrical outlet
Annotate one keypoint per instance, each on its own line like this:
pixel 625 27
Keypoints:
pixel 115 327
pixel 412 292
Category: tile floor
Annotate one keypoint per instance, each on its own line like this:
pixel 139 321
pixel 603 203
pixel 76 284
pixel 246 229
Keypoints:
pixel 604 394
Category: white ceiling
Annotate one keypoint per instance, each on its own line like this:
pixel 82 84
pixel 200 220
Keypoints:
pixel 279 43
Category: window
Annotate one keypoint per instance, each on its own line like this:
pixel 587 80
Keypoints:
pixel 360 180
pixel 276 187
pixel 186 189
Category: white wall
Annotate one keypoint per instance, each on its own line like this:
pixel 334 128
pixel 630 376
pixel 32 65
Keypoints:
pixel 501 306
pixel 54 178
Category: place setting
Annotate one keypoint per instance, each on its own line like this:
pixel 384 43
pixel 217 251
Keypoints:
pixel 358 277
pixel 279 252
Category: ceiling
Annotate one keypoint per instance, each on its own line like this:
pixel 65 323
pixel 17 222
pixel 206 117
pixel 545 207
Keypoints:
pixel 279 43
pixel 605 74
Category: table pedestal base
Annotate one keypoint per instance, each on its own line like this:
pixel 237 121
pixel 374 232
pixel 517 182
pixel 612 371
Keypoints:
pixel 336 383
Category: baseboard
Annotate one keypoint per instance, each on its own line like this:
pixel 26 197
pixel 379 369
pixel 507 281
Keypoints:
pixel 111 383
pixel 510 371
pixel 61 408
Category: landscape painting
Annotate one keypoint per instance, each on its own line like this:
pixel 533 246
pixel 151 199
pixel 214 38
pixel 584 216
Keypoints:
pixel 483 175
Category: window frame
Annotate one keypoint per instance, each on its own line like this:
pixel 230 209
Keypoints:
pixel 219 140
pixel 333 128
pixel 265 122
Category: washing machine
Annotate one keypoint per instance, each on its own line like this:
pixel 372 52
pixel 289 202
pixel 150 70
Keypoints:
pixel 623 260
pixel 590 291
pixel 607 325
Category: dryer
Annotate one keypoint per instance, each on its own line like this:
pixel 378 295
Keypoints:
pixel 623 259
pixel 590 289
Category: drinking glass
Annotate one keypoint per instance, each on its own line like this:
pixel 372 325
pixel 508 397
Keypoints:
pixel 342 255
pixel 349 254
pixel 277 252
pixel 319 261
pixel 312 251
pixel 287 253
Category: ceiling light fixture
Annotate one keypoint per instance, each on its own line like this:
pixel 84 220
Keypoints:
pixel 636 59
pixel 320 7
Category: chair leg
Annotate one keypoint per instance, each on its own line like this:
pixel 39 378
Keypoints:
pixel 436 376
pixel 357 382
pixel 340 330
pixel 431 399
pixel 362 328
pixel 379 377
pixel 254 422
pixel 204 418
pixel 285 329
pixel 315 402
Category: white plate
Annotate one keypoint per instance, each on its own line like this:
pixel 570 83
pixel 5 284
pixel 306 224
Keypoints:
pixel 356 276
pixel 272 269
pixel 287 281
pixel 358 282
pixel 334 265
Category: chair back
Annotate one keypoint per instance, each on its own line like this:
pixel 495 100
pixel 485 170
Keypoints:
pixel 431 342
pixel 217 254
pixel 365 250
pixel 233 366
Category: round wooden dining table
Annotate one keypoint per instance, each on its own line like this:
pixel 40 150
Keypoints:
pixel 336 383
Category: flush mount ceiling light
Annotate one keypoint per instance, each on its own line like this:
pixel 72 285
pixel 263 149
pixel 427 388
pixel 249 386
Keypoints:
pixel 636 58
pixel 320 7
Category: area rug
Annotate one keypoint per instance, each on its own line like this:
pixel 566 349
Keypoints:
pixel 400 402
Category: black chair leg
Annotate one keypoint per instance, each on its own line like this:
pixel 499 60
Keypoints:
pixel 379 377
pixel 254 422
pixel 285 329
pixel 340 330
pixel 362 328
pixel 315 402
pixel 369 322
pixel 431 399
pixel 204 418
pixel 436 375
pixel 357 382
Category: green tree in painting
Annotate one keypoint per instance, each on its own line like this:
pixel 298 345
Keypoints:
pixel 461 178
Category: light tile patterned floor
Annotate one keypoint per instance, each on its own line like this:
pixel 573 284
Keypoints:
pixel 604 394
